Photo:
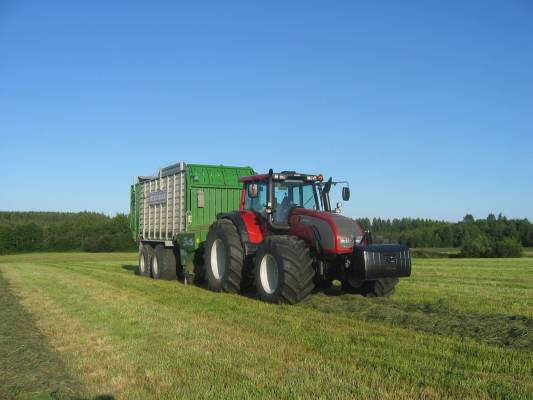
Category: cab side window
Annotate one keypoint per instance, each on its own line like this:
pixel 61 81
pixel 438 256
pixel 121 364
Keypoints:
pixel 258 203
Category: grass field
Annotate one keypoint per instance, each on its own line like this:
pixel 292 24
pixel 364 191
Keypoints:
pixel 80 325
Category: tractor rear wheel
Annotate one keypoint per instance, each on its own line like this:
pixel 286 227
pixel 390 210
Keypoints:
pixel 146 253
pixel 164 263
pixel 283 270
pixel 224 257
pixel 379 288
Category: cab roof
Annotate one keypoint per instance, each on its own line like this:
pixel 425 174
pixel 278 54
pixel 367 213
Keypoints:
pixel 281 176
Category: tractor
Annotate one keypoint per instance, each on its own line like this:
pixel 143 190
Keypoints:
pixel 287 241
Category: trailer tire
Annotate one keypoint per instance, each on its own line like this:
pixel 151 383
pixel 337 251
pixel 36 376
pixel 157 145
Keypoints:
pixel 145 259
pixel 224 257
pixel 283 270
pixel 165 261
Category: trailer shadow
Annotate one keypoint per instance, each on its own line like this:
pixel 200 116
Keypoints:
pixel 131 268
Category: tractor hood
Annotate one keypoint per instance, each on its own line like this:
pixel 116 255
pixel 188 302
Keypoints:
pixel 332 233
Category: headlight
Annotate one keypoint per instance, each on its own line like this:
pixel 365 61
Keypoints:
pixel 346 241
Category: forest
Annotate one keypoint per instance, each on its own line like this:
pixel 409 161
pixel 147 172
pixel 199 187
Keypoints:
pixel 489 237
pixel 96 232
pixel 57 231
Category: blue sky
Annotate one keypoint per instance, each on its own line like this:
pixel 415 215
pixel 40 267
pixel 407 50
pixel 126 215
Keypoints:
pixel 426 107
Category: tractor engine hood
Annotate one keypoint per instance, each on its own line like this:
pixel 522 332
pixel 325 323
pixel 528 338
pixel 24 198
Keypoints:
pixel 332 233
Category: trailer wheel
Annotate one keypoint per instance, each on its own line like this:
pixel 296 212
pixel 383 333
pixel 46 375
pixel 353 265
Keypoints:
pixel 224 257
pixel 283 270
pixel 145 259
pixel 164 263
pixel 379 288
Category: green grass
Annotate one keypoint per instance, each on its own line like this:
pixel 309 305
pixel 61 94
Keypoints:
pixel 84 325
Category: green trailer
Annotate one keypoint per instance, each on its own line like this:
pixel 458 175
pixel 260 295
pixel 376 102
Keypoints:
pixel 171 213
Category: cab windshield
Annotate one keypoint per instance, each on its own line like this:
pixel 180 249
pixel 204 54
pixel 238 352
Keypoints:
pixel 296 193
pixel 293 193
pixel 287 195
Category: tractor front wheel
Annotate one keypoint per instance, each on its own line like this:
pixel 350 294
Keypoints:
pixel 378 288
pixel 283 270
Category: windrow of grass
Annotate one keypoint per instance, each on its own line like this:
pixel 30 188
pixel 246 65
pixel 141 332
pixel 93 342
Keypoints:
pixel 132 337
pixel 442 301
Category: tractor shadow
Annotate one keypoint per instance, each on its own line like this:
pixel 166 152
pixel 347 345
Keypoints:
pixel 249 292
pixel 332 291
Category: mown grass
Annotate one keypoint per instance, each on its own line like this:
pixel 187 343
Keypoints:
pixel 435 252
pixel 456 329
pixel 28 366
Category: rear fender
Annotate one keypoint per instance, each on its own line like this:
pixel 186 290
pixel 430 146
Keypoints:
pixel 248 225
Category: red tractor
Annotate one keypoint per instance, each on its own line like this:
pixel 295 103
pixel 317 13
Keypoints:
pixel 287 241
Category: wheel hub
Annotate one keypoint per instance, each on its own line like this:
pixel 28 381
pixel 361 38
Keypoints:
pixel 142 266
pixel 218 259
pixel 268 273
pixel 155 267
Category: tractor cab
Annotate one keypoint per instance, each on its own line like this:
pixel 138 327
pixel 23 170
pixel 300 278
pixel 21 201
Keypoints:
pixel 276 195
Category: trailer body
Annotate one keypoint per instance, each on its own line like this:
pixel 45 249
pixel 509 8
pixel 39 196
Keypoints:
pixel 177 206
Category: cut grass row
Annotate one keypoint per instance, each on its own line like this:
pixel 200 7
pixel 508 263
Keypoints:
pixel 456 329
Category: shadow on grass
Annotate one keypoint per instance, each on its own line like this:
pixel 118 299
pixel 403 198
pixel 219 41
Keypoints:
pixel 333 291
pixel 131 268
pixel 29 366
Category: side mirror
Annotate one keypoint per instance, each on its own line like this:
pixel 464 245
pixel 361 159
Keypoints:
pixel 345 193
pixel 253 190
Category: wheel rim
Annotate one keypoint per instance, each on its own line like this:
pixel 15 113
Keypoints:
pixel 218 259
pixel 155 267
pixel 268 274
pixel 142 266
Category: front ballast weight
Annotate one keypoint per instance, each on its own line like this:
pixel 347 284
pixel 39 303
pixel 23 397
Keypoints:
pixel 378 261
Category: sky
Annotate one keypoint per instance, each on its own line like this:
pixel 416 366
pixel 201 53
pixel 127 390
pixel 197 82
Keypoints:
pixel 425 107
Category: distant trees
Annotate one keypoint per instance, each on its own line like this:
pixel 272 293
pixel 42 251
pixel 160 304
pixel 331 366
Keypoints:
pixel 495 236
pixel 490 237
pixel 50 231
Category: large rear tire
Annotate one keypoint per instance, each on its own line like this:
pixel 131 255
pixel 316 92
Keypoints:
pixel 283 270
pixel 145 259
pixel 224 257
pixel 164 263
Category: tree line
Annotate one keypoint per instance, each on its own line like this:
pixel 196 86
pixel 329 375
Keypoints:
pixel 489 237
pixel 55 231
pixel 90 231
